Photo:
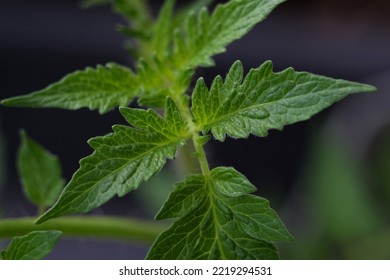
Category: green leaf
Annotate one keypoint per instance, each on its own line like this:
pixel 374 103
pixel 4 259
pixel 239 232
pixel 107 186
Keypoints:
pixel 40 173
pixel 206 35
pixel 33 246
pixel 168 65
pixel 218 219
pixel 102 88
pixel 158 82
pixel 198 38
pixel 264 100
pixel 162 28
pixel 122 160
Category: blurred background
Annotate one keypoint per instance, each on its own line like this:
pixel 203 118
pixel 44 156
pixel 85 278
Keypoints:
pixel 328 178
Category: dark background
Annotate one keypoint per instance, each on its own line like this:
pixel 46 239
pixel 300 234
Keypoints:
pixel 41 41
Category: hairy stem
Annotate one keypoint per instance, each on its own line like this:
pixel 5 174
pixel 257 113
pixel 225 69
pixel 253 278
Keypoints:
pixel 196 137
pixel 200 154
pixel 124 229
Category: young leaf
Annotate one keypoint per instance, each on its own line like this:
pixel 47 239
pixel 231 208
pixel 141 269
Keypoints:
pixel 162 28
pixel 200 37
pixel 122 160
pixel 264 100
pixel 102 88
pixel 207 35
pixel 40 172
pixel 33 246
pixel 218 219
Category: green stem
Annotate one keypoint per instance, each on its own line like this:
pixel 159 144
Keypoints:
pixel 196 137
pixel 200 153
pixel 86 226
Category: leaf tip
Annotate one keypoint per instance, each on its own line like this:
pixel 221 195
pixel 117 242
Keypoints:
pixel 201 80
pixel 23 133
pixel 237 63
pixel 200 84
pixel 7 102
pixel 122 109
pixel 370 88
pixel 169 101
pixel 361 88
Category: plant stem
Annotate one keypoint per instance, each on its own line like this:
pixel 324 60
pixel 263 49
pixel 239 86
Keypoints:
pixel 201 155
pixel 196 137
pixel 87 226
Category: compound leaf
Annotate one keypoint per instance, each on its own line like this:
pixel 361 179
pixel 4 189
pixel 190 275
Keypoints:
pixel 218 219
pixel 33 246
pixel 122 160
pixel 264 100
pixel 101 88
pixel 40 172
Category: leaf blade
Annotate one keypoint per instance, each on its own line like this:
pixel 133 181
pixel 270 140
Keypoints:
pixel 122 160
pixel 32 246
pixel 264 100
pixel 40 173
pixel 161 40
pixel 212 219
pixel 227 23
pixel 102 88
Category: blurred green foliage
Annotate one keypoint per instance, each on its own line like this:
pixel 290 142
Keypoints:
pixel 344 206
pixel 2 165
pixel 2 172
pixel 2 160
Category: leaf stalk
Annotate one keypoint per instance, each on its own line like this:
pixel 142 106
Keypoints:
pixel 118 228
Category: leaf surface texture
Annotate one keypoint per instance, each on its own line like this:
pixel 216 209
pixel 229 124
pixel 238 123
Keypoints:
pixel 264 100
pixel 33 246
pixel 122 160
pixel 218 219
